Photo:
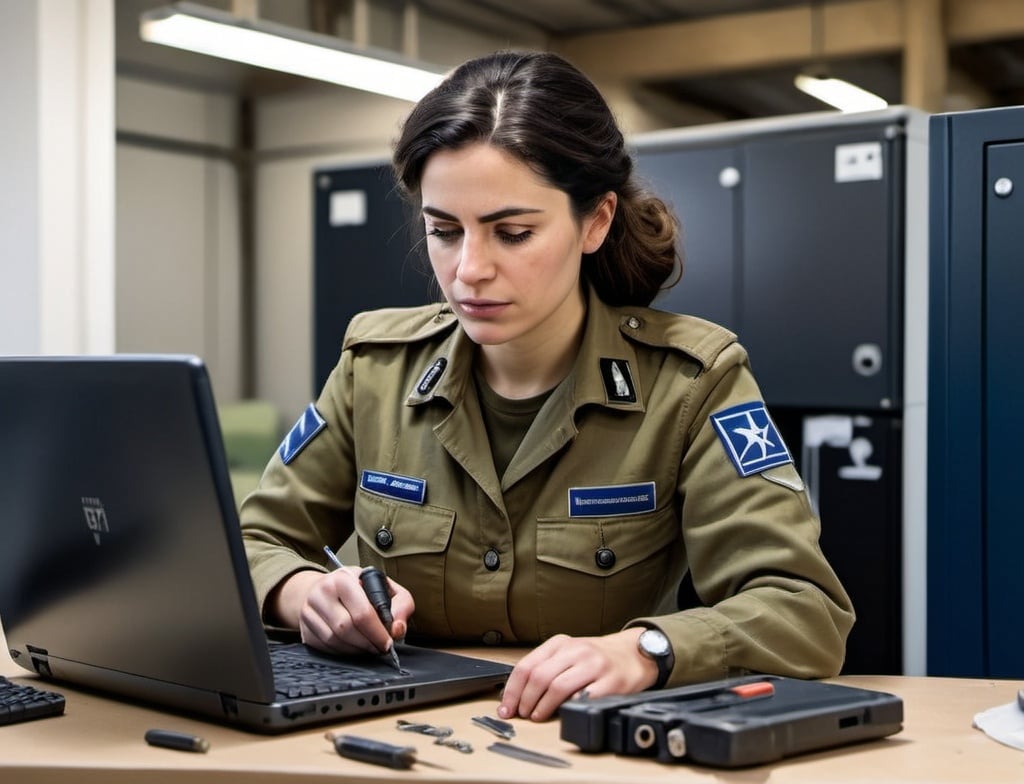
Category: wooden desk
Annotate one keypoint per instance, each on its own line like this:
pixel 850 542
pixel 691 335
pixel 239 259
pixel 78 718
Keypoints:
pixel 100 740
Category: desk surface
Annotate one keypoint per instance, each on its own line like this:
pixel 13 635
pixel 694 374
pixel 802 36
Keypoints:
pixel 100 740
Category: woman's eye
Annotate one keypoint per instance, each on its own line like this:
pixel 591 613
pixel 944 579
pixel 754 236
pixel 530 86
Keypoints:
pixel 514 238
pixel 445 235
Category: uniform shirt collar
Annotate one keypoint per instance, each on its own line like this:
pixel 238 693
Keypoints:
pixel 452 363
pixel 591 381
pixel 606 342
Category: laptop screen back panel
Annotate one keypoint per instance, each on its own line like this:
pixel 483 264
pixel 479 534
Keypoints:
pixel 101 507
pixel 124 568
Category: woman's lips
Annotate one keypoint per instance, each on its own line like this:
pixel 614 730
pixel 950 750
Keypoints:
pixel 481 308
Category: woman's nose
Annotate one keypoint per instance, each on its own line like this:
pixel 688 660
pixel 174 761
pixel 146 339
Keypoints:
pixel 475 262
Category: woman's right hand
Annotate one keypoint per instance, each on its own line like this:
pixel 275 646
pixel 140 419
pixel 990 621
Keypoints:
pixel 333 613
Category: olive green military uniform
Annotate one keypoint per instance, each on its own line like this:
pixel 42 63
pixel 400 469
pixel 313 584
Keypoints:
pixel 622 483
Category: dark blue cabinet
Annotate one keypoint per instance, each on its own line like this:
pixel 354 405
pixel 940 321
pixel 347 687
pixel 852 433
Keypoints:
pixel 976 374
pixel 367 255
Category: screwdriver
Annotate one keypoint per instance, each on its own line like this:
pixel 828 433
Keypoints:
pixel 375 751
pixel 375 586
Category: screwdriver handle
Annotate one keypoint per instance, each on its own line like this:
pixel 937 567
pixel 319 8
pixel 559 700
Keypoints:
pixel 373 751
pixel 375 584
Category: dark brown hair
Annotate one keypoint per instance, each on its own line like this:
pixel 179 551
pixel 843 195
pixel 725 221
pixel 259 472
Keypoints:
pixel 544 111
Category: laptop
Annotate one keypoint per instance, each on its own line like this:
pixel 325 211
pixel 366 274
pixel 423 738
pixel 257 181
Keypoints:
pixel 122 567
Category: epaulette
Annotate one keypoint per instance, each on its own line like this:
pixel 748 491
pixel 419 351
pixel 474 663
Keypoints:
pixel 399 325
pixel 700 339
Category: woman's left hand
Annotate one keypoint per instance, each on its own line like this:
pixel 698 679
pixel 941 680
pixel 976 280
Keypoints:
pixel 564 666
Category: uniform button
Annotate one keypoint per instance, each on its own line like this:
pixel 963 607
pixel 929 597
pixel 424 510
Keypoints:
pixel 492 560
pixel 633 322
pixel 493 637
pixel 384 539
pixel 605 558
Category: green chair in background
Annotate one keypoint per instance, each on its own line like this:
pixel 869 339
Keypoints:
pixel 252 432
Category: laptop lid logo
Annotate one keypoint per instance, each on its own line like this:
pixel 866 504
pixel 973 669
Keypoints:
pixel 95 518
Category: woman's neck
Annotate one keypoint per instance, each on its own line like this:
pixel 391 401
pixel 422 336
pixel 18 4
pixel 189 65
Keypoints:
pixel 534 363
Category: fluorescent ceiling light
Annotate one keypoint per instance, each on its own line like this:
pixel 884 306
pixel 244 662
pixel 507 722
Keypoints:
pixel 268 45
pixel 839 93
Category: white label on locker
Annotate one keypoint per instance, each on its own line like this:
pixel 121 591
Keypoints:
pixel 348 208
pixel 858 162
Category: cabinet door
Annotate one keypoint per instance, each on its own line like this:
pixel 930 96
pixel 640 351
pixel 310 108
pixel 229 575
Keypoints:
pixel 821 278
pixel 1004 424
pixel 690 181
pixel 364 255
pixel 854 480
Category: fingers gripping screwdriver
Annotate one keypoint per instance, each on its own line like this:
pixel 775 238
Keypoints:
pixel 375 584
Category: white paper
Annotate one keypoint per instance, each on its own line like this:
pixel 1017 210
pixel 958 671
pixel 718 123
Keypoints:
pixel 1004 723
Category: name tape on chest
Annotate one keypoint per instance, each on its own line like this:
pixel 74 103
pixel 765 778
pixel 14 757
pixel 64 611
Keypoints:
pixel 750 438
pixel 401 488
pixel 612 500
pixel 302 432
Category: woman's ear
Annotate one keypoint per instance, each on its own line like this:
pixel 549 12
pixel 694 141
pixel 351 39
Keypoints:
pixel 597 224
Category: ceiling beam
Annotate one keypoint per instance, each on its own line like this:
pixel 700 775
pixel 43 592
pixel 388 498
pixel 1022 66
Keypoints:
pixel 737 42
pixel 975 21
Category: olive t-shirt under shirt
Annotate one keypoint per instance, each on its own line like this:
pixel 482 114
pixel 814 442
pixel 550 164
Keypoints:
pixel 506 420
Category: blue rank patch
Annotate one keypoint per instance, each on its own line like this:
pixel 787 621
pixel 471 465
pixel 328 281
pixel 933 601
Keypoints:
pixel 750 438
pixel 309 424
pixel 402 488
pixel 612 500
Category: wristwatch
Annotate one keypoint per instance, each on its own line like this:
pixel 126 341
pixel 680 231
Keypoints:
pixel 656 646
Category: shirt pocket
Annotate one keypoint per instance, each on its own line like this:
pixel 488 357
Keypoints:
pixel 409 543
pixel 595 574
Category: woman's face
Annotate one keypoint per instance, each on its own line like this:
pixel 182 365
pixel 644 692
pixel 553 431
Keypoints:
pixel 505 246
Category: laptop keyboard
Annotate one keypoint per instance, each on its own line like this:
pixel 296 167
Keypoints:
pixel 24 702
pixel 298 674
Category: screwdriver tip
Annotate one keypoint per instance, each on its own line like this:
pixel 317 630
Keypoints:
pixel 394 658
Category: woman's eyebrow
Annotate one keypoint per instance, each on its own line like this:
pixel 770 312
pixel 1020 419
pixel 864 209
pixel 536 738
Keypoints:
pixel 490 217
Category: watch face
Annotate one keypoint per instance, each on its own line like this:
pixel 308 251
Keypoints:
pixel 654 643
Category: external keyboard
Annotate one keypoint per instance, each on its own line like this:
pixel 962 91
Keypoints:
pixel 24 702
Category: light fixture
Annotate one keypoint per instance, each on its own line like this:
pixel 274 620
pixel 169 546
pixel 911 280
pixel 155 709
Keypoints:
pixel 818 83
pixel 267 45
pixel 839 93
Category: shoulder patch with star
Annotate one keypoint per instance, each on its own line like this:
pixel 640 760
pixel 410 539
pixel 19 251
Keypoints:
pixel 750 438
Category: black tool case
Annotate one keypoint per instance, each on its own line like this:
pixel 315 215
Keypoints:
pixel 710 724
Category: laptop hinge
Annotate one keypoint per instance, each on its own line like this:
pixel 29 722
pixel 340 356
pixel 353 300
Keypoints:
pixel 229 705
pixel 40 660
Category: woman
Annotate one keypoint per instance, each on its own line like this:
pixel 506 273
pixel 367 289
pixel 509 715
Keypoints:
pixel 541 458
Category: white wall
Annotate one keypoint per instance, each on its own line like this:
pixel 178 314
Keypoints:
pixel 57 200
pixel 339 126
pixel 178 228
pixel 20 317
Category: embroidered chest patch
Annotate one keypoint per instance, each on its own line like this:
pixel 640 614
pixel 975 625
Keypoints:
pixel 612 500
pixel 401 488
pixel 750 438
